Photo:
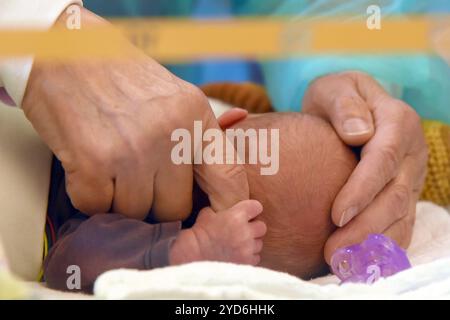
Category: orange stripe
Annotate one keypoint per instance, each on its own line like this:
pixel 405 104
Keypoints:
pixel 170 40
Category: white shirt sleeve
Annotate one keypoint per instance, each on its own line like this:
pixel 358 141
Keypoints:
pixel 36 14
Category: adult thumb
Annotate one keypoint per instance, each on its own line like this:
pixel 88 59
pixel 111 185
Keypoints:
pixel 221 177
pixel 352 119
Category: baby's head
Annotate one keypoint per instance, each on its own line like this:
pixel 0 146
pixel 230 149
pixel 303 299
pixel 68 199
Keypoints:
pixel 314 164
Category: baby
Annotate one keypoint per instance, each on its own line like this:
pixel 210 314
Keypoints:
pixel 313 166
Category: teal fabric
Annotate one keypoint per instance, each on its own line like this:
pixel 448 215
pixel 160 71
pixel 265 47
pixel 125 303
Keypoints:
pixel 423 81
pixel 420 80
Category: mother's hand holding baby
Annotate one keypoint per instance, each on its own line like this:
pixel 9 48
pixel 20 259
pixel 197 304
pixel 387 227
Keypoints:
pixel 381 194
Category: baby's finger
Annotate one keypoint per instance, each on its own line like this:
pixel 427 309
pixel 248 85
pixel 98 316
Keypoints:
pixel 204 213
pixel 258 246
pixel 250 208
pixel 258 229
pixel 255 260
pixel 231 117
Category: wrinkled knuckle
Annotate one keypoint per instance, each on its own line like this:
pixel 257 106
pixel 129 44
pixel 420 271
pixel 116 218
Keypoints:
pixel 233 172
pixel 101 157
pixel 422 145
pixel 189 104
pixel 414 118
pixel 405 113
pixel 367 229
pixel 197 95
pixel 341 100
pixel 130 155
pixel 195 98
pixel 400 200
pixel 315 89
pixel 404 232
pixel 422 161
pixel 410 220
pixel 408 112
pixel 174 118
pixel 424 151
pixel 390 156
pixel 316 83
pixel 403 229
pixel 135 143
pixel 354 74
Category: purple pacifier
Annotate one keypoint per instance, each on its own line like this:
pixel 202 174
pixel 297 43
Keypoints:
pixel 377 256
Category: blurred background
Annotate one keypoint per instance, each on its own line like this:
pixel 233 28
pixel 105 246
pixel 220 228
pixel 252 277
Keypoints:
pixel 421 79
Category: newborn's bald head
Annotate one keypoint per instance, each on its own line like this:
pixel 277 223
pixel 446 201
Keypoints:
pixel 313 166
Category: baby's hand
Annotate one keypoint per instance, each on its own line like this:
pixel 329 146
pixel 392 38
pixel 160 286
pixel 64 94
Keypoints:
pixel 231 235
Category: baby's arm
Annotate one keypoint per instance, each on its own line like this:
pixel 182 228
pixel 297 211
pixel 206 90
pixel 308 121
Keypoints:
pixel 110 241
pixel 105 242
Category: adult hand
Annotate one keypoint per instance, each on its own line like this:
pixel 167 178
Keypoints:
pixel 381 194
pixel 110 124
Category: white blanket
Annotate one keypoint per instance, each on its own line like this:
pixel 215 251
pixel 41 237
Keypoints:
pixel 428 279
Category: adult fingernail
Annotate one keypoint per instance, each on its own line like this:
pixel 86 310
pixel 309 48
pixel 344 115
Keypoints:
pixel 355 126
pixel 348 215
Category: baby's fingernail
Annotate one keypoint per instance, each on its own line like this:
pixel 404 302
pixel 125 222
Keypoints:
pixel 355 126
pixel 348 215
